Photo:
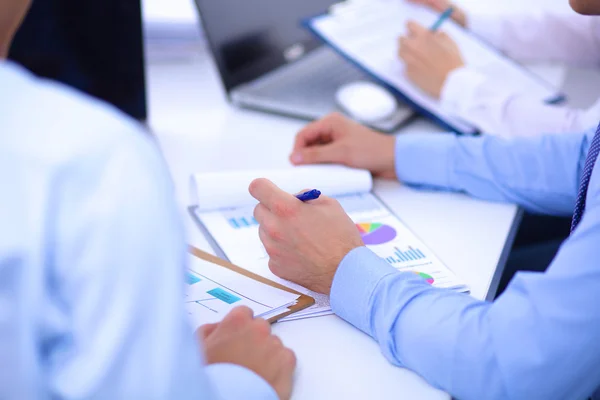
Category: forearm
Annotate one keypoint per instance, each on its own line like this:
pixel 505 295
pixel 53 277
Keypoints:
pixel 499 109
pixel 513 348
pixel 541 174
pixel 541 36
pixel 417 326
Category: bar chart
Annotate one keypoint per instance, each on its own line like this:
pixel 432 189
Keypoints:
pixel 411 254
pixel 242 222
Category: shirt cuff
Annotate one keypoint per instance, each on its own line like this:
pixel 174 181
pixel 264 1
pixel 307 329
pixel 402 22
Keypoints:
pixel 426 159
pixel 460 91
pixel 235 382
pixel 354 283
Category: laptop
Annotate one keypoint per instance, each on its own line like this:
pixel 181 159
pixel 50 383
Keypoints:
pixel 267 61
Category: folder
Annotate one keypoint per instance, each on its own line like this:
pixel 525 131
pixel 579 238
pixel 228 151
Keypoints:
pixel 366 34
pixel 302 302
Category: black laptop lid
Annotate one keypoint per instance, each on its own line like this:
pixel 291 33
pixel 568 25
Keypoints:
pixel 94 46
pixel 252 37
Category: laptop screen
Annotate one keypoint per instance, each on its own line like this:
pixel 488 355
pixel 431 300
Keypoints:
pixel 252 37
pixel 94 46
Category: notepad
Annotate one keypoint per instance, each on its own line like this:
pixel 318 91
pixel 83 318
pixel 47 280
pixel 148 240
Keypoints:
pixel 224 210
pixel 215 287
pixel 366 33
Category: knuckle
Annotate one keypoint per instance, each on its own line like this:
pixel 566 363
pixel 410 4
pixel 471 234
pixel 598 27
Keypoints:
pixel 276 342
pixel 274 268
pixel 261 327
pixel 273 231
pixel 272 251
pixel 239 316
pixel 290 357
pixel 285 210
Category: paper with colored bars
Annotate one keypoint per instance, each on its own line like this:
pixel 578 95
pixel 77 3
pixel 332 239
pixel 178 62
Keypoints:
pixel 212 291
pixel 234 231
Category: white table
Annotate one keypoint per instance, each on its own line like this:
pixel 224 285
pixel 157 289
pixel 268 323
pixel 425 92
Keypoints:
pixel 198 131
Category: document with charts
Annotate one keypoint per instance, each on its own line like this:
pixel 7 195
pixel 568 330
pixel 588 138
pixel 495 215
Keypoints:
pixel 214 288
pixel 366 33
pixel 228 222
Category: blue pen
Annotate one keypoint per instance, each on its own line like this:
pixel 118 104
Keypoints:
pixel 443 17
pixel 308 196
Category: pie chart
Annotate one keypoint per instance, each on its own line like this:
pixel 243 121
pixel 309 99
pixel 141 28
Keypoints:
pixel 375 233
pixel 428 278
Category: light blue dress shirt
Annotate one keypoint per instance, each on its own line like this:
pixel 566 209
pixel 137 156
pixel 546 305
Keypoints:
pixel 92 258
pixel 541 338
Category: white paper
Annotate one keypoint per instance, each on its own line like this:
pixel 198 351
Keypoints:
pixel 221 190
pixel 368 33
pixel 212 291
pixel 236 233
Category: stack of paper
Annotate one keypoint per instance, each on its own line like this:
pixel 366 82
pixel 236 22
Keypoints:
pixel 212 291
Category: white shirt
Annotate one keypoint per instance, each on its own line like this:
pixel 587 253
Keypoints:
pixel 539 35
pixel 92 258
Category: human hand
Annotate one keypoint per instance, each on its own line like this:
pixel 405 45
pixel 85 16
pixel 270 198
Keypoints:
pixel 429 57
pixel 242 340
pixel 337 139
pixel 459 16
pixel 305 241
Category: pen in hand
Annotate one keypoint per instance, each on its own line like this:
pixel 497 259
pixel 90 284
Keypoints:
pixel 309 195
pixel 443 17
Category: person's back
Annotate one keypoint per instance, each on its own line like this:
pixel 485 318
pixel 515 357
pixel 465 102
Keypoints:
pixel 59 159
pixel 92 259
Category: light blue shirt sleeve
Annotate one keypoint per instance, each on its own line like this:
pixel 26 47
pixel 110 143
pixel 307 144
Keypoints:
pixel 541 174
pixel 539 340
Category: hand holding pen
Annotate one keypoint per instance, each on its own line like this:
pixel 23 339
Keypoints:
pixel 429 55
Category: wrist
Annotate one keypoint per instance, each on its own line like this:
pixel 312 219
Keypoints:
pixel 386 154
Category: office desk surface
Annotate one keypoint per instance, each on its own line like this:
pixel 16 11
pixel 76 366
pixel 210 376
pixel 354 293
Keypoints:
pixel 198 131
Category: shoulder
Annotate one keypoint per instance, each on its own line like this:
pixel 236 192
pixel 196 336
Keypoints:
pixel 54 124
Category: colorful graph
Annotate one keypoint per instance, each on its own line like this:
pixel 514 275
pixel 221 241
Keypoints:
pixel 242 222
pixel 405 256
pixel 375 233
pixel 428 278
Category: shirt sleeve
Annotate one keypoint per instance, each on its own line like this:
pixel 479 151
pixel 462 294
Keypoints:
pixel 542 35
pixel 119 266
pixel 222 376
pixel 537 341
pixel 498 109
pixel 540 174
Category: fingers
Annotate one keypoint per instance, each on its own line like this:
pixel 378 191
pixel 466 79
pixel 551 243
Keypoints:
pixel 237 317
pixel 317 134
pixel 318 131
pixel 416 30
pixel 206 330
pixel 273 198
pixel 331 153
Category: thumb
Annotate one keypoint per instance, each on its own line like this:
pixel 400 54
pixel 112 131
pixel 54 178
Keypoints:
pixel 329 153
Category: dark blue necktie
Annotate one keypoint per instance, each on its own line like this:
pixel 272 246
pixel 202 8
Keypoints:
pixel 585 179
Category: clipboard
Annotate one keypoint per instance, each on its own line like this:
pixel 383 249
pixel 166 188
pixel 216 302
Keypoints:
pixel 336 9
pixel 303 301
